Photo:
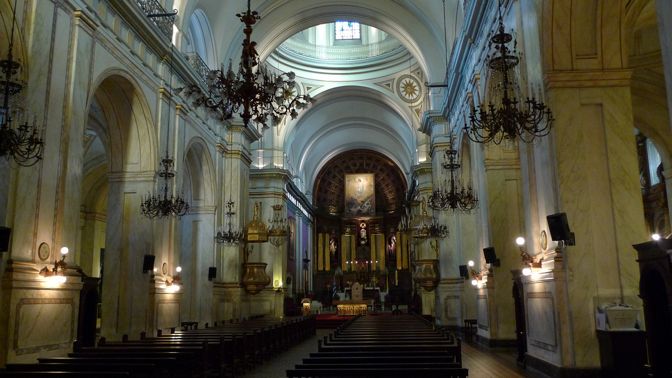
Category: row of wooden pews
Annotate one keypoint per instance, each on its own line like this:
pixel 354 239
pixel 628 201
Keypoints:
pixel 227 350
pixel 385 346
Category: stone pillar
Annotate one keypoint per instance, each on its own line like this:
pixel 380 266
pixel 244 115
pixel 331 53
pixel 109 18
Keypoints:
pixel 228 293
pixel 594 131
pixel 268 187
pixel 664 14
pixel 128 239
pixel 505 213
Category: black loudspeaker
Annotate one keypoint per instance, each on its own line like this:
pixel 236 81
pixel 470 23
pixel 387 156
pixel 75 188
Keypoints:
pixel 148 263
pixel 464 273
pixel 4 238
pixel 559 228
pixel 490 256
pixel 212 273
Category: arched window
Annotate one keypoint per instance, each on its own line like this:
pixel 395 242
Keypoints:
pixel 654 193
pixel 202 41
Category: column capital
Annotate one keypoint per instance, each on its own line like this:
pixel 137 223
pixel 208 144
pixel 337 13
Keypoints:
pixel 430 119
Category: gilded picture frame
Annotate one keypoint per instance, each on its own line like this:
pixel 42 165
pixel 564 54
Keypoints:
pixel 360 194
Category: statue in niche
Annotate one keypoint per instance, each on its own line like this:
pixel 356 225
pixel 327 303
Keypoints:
pixel 363 235
pixel 391 248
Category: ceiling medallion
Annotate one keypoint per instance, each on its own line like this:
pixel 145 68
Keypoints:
pixel 408 88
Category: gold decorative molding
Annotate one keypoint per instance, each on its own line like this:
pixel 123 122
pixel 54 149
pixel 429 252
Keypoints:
pixel 81 18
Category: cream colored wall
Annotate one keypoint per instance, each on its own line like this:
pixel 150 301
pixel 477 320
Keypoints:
pixel 77 50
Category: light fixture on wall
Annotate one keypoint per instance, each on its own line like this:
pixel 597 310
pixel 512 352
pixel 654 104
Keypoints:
pixel 455 196
pixel 19 139
pixel 478 278
pixel 57 273
pixel 252 92
pixel 278 227
pixel 529 262
pixel 512 118
pixel 162 205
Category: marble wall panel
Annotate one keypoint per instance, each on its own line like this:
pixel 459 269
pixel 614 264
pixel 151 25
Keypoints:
pixel 167 314
pixel 483 318
pixel 44 324
pixel 541 322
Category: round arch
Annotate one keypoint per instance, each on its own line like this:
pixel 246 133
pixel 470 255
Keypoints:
pixel 349 118
pixel 199 183
pixel 131 143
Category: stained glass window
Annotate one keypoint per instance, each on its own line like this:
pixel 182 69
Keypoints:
pixel 347 30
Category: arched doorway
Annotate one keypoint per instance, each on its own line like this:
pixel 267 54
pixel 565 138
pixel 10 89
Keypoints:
pixel 197 233
pixel 118 172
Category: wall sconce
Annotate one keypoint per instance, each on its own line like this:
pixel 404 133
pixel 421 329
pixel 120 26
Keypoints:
pixel 173 285
pixel 277 285
pixel 528 260
pixel 478 278
pixel 57 273
pixel 655 237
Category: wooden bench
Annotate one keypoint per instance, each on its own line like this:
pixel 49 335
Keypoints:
pixel 384 346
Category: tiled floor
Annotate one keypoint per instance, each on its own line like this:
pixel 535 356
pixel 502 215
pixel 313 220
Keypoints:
pixel 481 362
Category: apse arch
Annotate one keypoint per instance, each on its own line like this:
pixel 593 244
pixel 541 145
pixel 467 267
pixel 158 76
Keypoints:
pixel 347 118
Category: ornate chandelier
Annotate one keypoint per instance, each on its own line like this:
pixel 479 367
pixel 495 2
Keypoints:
pixel 424 229
pixel 513 118
pixel 278 227
pixel 161 205
pixel 21 142
pixel 230 235
pixel 456 197
pixel 252 92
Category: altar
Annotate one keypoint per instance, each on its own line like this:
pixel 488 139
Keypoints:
pixel 357 305
pixel 352 307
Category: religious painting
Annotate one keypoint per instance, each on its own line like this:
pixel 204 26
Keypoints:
pixel 360 196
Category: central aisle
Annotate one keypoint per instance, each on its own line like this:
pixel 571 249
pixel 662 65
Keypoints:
pixel 481 362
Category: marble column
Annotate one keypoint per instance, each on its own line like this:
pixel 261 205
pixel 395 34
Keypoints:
pixel 228 293
pixel 664 14
pixel 598 186
pixel 505 212
pixel 267 186
pixel 127 305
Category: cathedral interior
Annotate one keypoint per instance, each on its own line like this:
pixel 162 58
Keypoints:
pixel 497 168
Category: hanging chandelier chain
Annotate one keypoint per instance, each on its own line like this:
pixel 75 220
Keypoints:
pixel 229 235
pixel 512 118
pixel 166 204
pixel 23 142
pixel 253 92
pixel 455 197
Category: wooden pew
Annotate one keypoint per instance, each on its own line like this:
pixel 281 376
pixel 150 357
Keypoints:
pixel 380 346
